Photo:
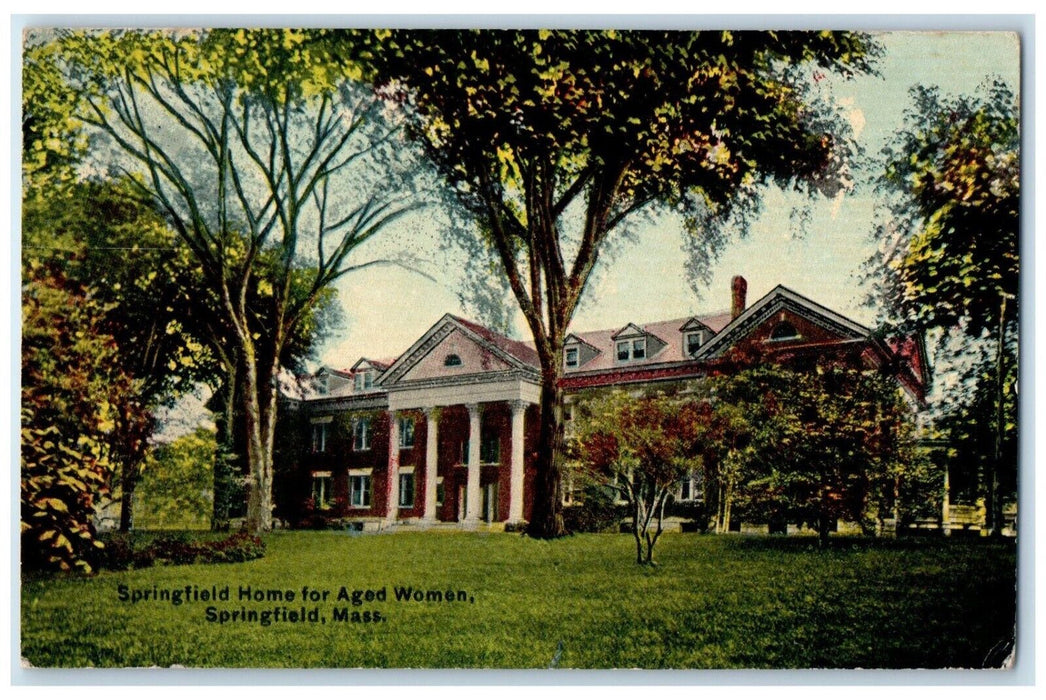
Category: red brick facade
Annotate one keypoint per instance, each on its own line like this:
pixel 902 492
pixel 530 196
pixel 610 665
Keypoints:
pixel 471 383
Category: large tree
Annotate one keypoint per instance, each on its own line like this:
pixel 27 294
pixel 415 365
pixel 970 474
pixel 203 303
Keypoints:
pixel 950 245
pixel 252 143
pixel 115 249
pixel 551 139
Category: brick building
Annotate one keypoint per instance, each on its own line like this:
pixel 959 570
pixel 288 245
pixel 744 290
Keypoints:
pixel 445 432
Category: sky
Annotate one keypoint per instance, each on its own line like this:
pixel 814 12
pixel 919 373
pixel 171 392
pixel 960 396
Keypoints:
pixel 387 308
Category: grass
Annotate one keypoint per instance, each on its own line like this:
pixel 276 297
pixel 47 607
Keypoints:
pixel 713 602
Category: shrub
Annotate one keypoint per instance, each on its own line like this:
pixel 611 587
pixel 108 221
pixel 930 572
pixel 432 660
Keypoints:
pixel 122 552
pixel 596 513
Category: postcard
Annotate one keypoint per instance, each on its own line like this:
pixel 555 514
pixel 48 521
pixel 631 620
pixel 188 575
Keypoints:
pixel 519 348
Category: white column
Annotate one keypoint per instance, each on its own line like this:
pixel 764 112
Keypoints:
pixel 472 495
pixel 392 509
pixel 515 504
pixel 946 505
pixel 431 457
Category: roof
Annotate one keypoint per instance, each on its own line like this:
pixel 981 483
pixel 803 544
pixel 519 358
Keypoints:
pixel 518 349
pixel 667 331
pixel 666 355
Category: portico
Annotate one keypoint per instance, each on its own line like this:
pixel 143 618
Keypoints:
pixel 479 465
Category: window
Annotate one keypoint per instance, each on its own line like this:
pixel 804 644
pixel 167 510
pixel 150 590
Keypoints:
pixel 452 360
pixel 571 357
pixel 406 490
pixel 323 385
pixel 567 489
pixel 322 494
pixel 489 449
pixel 319 437
pixel 628 350
pixel 361 435
pixel 364 379
pixel 406 432
pixel 440 492
pixel 784 331
pixel 694 340
pixel 690 487
pixel 359 490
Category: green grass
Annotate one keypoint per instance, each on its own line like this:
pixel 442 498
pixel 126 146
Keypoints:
pixel 713 602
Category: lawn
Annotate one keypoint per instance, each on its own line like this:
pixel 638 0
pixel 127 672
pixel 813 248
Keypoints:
pixel 713 602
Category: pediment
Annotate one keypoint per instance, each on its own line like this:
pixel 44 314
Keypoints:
pixel 456 354
pixel 812 322
pixel 451 348
pixel 629 331
pixel 694 324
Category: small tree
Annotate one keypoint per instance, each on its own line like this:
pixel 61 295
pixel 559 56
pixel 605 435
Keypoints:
pixel 640 448
pixel 73 395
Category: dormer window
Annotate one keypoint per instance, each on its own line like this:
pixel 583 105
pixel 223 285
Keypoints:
pixel 784 331
pixel 694 340
pixel 570 358
pixel 364 379
pixel 452 360
pixel 630 350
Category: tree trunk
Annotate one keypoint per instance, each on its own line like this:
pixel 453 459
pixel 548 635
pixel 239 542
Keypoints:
pixel 728 498
pixel 547 517
pixel 128 483
pixel 259 501
pixel 823 529
pixel 994 509
pixel 226 458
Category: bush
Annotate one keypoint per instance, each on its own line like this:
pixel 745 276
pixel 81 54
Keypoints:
pixel 121 552
pixel 596 513
pixel 695 514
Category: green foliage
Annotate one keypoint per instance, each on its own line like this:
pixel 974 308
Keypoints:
pixel 123 551
pixel 175 492
pixel 716 602
pixel 951 239
pixel 953 174
pixel 53 141
pixel 814 446
pixel 596 512
pixel 661 113
pixel 73 391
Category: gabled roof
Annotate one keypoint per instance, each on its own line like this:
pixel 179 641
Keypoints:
pixel 780 297
pixel 629 331
pixel 694 324
pixel 346 374
pixel 371 364
pixel 573 339
pixel 512 352
pixel 515 348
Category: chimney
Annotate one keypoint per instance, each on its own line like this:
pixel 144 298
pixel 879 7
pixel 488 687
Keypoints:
pixel 739 290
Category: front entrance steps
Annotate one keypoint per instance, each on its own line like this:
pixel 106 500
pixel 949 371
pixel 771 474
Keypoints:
pixel 439 526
